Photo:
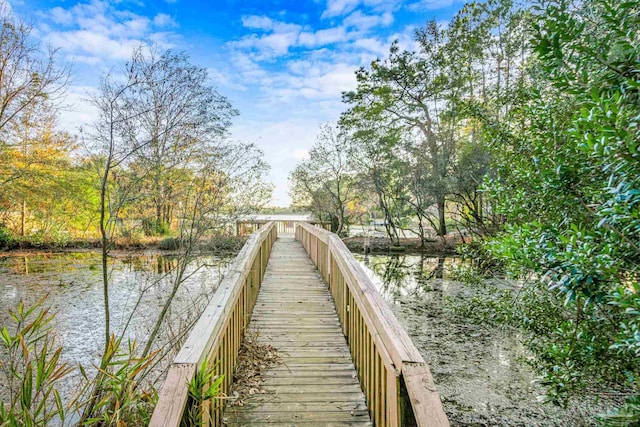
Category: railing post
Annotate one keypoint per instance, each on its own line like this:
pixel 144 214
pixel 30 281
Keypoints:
pixel 386 360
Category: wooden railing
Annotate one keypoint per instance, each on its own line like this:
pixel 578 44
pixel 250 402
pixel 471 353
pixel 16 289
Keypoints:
pixel 394 376
pixel 217 335
pixel 244 227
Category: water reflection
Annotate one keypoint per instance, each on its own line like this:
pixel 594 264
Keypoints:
pixel 140 283
pixel 398 276
pixel 478 370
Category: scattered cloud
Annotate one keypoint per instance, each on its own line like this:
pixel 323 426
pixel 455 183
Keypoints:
pixel 257 22
pixel 284 69
pixel 98 31
pixel 339 7
pixel 364 22
pixel 163 20
pixel 425 5
pixel 324 37
pixel 61 16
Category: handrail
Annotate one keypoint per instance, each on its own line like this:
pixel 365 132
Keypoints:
pixel 394 377
pixel 284 226
pixel 218 333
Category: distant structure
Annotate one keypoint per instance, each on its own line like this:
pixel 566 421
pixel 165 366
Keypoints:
pixel 247 224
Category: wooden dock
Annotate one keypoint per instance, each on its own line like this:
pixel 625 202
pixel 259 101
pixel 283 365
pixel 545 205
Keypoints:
pixel 317 383
pixel 346 361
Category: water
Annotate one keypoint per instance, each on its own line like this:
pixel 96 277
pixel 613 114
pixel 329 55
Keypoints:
pixel 480 371
pixel 140 283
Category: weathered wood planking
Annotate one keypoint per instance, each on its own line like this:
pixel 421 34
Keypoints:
pixel 217 335
pixel 382 352
pixel 316 385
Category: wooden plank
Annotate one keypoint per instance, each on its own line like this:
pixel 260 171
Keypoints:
pixel 173 396
pixel 310 406
pixel 424 398
pixel 305 424
pixel 286 416
pixel 372 328
pixel 295 313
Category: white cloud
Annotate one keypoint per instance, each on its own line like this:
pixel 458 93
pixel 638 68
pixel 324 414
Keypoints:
pixel 61 16
pixel 364 22
pixel 98 31
pixel 324 37
pixel 339 7
pixel 164 20
pixel 257 22
pixel 373 45
pixel 423 5
pixel 90 44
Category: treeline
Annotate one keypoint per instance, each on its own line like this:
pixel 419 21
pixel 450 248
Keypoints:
pixel 158 137
pixel 156 160
pixel 520 124
pixel 412 146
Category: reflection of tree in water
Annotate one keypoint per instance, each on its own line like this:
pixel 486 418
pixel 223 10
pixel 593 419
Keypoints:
pixel 159 264
pixel 437 272
pixel 44 262
pixel 401 275
pixel 392 271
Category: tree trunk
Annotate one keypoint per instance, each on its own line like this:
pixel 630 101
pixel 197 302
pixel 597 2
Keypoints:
pixel 23 218
pixel 442 227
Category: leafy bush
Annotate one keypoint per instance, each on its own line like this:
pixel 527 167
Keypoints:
pixel 31 369
pixel 169 244
pixel 120 398
pixel 203 387
pixel 6 238
pixel 568 184
pixel 151 227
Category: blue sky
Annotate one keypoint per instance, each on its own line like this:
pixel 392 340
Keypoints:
pixel 282 63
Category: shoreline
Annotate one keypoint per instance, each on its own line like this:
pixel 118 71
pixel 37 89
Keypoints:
pixel 156 244
pixel 376 245
pixel 383 245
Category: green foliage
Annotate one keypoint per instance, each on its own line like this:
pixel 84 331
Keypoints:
pixel 31 369
pixel 571 356
pixel 626 416
pixel 121 398
pixel 155 227
pixel 203 387
pixel 6 238
pixel 568 184
pixel 169 244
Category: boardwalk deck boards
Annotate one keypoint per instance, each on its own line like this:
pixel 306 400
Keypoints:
pixel 346 359
pixel 316 384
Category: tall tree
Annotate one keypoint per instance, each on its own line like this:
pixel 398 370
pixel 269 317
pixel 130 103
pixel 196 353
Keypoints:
pixel 408 93
pixel 568 186
pixel 180 116
pixel 325 181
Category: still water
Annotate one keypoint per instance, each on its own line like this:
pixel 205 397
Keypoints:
pixel 72 282
pixel 480 371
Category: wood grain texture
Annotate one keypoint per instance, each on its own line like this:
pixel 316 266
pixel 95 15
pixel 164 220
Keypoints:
pixel 425 400
pixel 218 332
pixel 316 384
pixel 370 328
pixel 173 396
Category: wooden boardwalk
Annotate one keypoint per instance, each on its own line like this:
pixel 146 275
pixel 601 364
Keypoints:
pixel 316 384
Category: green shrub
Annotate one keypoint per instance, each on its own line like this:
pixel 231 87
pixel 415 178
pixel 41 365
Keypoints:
pixel 169 244
pixel 6 239
pixel 31 363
